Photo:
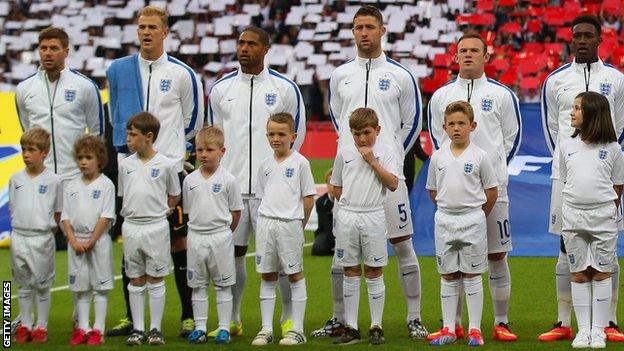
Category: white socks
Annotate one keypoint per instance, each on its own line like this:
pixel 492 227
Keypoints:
pixel 500 289
pixel 224 306
pixel 299 298
pixel 582 301
pixel 449 297
pixel 136 297
pixel 564 292
pixel 474 300
pixel 267 303
pixel 351 294
pixel 43 307
pixel 82 307
pixel 601 303
pixel 200 307
pixel 376 298
pixel 337 278
pixel 615 290
pixel 100 305
pixel 25 297
pixel 237 290
pixel 409 276
pixel 287 306
pixel 156 293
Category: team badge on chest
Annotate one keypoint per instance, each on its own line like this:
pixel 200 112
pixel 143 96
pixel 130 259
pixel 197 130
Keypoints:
pixel 602 154
pixel 96 194
pixel 43 189
pixel 155 172
pixel 270 99
pixel 384 84
pixel 290 172
pixel 165 85
pixel 468 167
pixel 487 104
pixel 605 88
pixel 70 95
pixel 216 187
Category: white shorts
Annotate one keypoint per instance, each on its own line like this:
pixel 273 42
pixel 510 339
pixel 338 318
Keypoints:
pixel 556 201
pixel 590 237
pixel 499 228
pixel 360 236
pixel 32 260
pixel 461 242
pixel 93 270
pixel 279 246
pixel 147 249
pixel 210 257
pixel 247 222
pixel 398 212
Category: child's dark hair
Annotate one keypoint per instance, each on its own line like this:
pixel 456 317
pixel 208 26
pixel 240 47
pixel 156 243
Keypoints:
pixel 94 144
pixel 363 117
pixel 461 107
pixel 145 122
pixel 597 126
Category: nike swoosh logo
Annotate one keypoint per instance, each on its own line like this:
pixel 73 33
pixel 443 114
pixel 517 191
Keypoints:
pixel 180 227
pixel 445 296
pixel 74 193
pixel 347 295
pixel 377 259
pixel 376 297
pixel 267 173
pixel 158 269
pixel 347 83
pixel 504 242
pixel 441 168
pixel 408 273
pixel 469 294
pixel 571 153
pixel 402 226
pixel 605 299
pixel 602 264
pixel 566 89
pixel 18 186
pixel 226 278
pixel 475 265
pixel 496 278
pixel 102 282
pixel 128 172
pixel 193 187
pixel 349 161
pixel 230 99
pixel 291 265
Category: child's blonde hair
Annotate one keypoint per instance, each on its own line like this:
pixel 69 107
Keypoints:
pixel 37 137
pixel 283 118
pixel 210 135
pixel 459 106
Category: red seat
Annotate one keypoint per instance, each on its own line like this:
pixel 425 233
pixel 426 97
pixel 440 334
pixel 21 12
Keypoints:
pixel 510 27
pixel 564 33
pixel 441 74
pixel 534 26
pixel 530 83
pixel 507 3
pixel 430 85
pixel 442 60
pixel 485 5
pixel 501 64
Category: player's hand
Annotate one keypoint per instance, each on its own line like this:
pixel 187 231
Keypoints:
pixel 77 246
pixel 170 211
pixel 89 245
pixel 367 154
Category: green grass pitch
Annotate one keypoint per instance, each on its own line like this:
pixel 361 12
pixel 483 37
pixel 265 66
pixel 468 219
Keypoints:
pixel 532 308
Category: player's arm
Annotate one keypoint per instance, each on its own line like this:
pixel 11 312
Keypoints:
pixel 511 125
pixel 173 188
pixel 550 114
pixel 431 179
pixel 617 176
pixel 336 177
pixel 71 238
pixel 215 116
pixel 389 180
pixel 94 110
pixel 192 100
pixel 297 109
pixel 490 194
pixel 411 118
pixel 235 200
pixel 619 112
pixel 236 215
pixel 21 110
pixel 433 194
pixel 308 205
pixel 436 121
pixel 172 202
pixel 100 227
pixel 337 192
pixel 335 102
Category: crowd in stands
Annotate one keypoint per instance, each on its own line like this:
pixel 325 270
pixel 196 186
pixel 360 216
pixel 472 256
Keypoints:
pixel 526 38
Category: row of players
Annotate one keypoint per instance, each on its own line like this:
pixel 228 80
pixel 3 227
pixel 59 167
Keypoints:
pixel 394 94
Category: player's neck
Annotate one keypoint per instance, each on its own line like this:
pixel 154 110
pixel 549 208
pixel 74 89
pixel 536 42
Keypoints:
pixel 35 170
pixel 588 60
pixel 370 55
pixel 208 170
pixel 54 75
pixel 471 74
pixel 282 155
pixel 152 55
pixel 147 154
pixel 458 147
pixel 255 70
pixel 89 178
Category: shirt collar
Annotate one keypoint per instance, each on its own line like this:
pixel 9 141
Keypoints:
pixel 477 82
pixel 257 77
pixel 374 62
pixel 159 61
pixel 595 66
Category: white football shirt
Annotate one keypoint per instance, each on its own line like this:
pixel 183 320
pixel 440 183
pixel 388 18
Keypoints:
pixel 589 172
pixel 209 201
pixel 362 190
pixel 84 204
pixel 145 186
pixel 282 186
pixel 460 181
pixel 33 202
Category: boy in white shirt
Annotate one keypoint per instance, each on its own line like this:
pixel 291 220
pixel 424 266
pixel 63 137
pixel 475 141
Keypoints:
pixel 287 189
pixel 463 184
pixel 88 213
pixel 362 172
pixel 213 201
pixel 149 186
pixel 35 206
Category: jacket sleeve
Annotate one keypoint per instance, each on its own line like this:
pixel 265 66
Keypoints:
pixel 21 109
pixel 335 102
pixel 619 111
pixel 511 124
pixel 410 105
pixel 112 94
pixel 436 121
pixel 215 116
pixel 550 114
pixel 94 110
pixel 296 108
pixel 191 98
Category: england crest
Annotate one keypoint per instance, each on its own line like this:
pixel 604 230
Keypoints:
pixel 258 259
pixel 165 85
pixel 486 105
pixel 605 89
pixel 70 95
pixel 571 258
pixel 340 253
pixel 216 187
pixel 270 99
pixel 290 172
pixel 155 172
pixel 468 167
pixel 189 274
pixel 384 84
pixel 602 154
pixel 43 189
pixel 72 279
pixel 96 194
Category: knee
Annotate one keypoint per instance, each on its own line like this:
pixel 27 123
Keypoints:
pixel 293 278
pixel 178 243
pixel 372 272
pixel 270 277
pixel 399 239
pixel 354 271
pixel 497 256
